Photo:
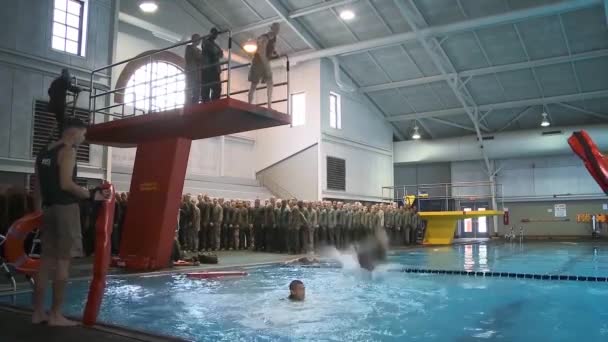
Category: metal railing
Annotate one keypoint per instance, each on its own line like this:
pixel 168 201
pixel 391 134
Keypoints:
pixel 448 196
pixel 156 93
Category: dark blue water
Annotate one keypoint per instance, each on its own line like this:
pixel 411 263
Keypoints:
pixel 352 305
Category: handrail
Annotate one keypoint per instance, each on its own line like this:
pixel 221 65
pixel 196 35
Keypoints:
pixel 264 182
pixel 153 52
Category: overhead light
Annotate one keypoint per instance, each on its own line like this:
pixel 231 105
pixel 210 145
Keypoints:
pixel 545 122
pixel 347 15
pixel 416 134
pixel 250 46
pixel 148 6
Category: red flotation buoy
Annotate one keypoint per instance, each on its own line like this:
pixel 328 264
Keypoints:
pixel 215 274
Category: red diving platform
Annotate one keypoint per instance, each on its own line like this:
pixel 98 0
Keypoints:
pixel 163 146
pixel 595 162
pixel 199 121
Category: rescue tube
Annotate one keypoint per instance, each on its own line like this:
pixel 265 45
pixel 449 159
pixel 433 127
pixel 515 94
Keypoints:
pixel 595 162
pixel 215 274
pixel 14 251
pixel 185 263
pixel 103 233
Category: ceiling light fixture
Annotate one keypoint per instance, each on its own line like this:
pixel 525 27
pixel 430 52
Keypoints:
pixel 148 6
pixel 347 15
pixel 545 122
pixel 416 134
pixel 250 46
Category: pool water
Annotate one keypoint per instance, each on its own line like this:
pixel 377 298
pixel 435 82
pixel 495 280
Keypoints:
pixel 348 304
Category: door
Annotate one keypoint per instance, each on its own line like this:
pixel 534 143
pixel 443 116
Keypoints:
pixel 474 227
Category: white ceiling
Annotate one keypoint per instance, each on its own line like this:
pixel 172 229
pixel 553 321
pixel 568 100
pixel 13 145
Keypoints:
pixel 554 54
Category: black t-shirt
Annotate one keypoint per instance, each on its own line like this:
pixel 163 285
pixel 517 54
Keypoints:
pixel 48 174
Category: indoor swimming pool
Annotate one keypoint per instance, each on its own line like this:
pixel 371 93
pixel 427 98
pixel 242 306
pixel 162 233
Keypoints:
pixel 347 304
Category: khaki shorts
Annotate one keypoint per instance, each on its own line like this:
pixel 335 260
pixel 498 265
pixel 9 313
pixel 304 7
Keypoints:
pixel 61 230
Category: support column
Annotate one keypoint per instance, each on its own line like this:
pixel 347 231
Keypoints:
pixel 156 190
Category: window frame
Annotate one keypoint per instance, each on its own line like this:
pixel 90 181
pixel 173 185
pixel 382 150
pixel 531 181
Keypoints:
pixel 291 103
pixel 82 29
pixel 337 116
pixel 152 104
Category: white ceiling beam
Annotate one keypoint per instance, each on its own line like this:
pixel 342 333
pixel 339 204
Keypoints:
pixel 292 15
pixel 489 70
pixel 515 118
pixel 584 111
pixel 283 13
pixel 453 124
pixel 468 25
pixel 426 129
pixel 504 105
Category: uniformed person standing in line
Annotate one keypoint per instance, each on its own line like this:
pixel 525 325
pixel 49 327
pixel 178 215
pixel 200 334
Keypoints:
pixel 299 225
pixel 194 229
pixel 233 222
pixel 304 231
pixel 354 234
pixel 332 221
pixel 239 220
pixel 348 226
pixel 369 220
pixel 226 224
pixel 340 222
pixel 216 224
pixel 388 223
pixel 380 218
pixel 270 226
pixel 323 223
pixel 284 225
pixel 203 206
pixel 399 227
pixel 276 236
pixel 313 232
pixel 185 219
pixel 258 222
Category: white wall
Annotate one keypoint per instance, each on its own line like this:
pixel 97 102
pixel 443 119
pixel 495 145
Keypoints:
pixel 294 177
pixel 530 178
pixel 365 142
pixel 28 65
pixel 277 143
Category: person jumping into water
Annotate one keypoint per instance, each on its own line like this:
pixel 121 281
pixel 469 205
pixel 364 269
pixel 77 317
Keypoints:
pixel 371 252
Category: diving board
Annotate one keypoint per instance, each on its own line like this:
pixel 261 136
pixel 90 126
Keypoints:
pixel 441 225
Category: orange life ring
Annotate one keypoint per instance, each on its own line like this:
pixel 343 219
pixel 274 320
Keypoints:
pixel 219 274
pixel 14 251
pixel 185 263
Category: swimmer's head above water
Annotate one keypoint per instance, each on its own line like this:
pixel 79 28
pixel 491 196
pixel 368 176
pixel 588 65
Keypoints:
pixel 297 291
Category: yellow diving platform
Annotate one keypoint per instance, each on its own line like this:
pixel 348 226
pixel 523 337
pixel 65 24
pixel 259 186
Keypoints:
pixel 441 225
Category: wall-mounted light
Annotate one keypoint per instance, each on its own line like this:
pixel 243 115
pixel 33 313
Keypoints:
pixel 250 46
pixel 148 6
pixel 545 122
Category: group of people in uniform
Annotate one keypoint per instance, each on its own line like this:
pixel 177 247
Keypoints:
pixel 288 226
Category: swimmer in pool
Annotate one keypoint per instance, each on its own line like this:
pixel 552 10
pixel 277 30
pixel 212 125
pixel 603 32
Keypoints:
pixel 303 261
pixel 297 291
pixel 371 252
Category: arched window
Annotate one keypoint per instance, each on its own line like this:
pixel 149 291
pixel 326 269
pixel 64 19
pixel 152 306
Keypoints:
pixel 156 86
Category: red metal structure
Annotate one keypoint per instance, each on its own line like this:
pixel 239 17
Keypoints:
pixel 595 162
pixel 163 146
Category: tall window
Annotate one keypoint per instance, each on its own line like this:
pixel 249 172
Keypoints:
pixel 335 111
pixel 156 86
pixel 69 26
pixel 298 109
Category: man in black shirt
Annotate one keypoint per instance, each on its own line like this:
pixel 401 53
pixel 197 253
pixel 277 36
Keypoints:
pixel 211 71
pixel 57 96
pixel 58 196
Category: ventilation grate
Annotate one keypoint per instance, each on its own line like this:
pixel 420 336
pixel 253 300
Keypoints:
pixel 336 174
pixel 44 126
